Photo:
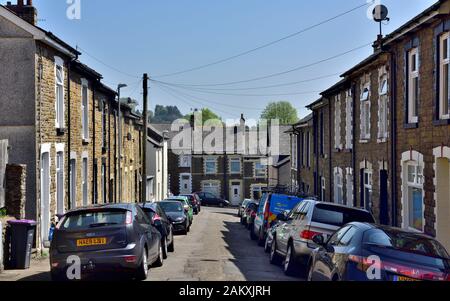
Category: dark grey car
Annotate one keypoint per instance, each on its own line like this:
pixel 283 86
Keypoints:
pixel 116 238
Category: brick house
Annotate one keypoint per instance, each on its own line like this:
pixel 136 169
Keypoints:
pixel 389 128
pixel 60 121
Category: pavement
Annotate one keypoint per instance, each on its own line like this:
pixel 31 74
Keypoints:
pixel 217 248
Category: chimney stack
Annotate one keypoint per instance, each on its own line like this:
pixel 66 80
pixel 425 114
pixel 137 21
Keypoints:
pixel 27 12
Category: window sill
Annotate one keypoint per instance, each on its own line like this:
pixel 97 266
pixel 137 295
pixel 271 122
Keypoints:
pixel 441 122
pixel 382 140
pixel 411 125
pixel 364 141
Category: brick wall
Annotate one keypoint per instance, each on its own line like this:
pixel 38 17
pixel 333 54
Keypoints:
pixel 15 192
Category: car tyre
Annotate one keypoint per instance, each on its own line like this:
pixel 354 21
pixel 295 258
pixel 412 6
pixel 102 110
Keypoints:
pixel 164 247
pixel 266 245
pixel 171 247
pixel 261 239
pixel 252 233
pixel 142 271
pixel 290 264
pixel 160 261
pixel 274 257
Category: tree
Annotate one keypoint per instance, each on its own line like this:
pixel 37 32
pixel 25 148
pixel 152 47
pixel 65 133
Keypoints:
pixel 166 114
pixel 282 110
pixel 207 114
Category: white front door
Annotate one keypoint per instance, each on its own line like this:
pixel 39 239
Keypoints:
pixel 235 194
pixel 185 184
pixel 45 196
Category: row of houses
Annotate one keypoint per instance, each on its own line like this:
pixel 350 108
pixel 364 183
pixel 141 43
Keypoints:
pixel 380 138
pixel 62 123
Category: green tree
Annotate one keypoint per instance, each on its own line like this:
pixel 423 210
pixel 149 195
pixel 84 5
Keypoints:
pixel 165 114
pixel 282 110
pixel 207 114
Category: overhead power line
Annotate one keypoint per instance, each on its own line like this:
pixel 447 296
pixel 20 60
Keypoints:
pixel 265 45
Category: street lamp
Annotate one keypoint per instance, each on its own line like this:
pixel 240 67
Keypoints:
pixel 120 86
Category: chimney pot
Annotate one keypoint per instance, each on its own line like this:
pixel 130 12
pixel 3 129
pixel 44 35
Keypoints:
pixel 26 12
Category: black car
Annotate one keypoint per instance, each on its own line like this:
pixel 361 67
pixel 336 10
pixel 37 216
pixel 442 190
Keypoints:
pixel 161 221
pixel 194 200
pixel 176 215
pixel 362 252
pixel 109 239
pixel 209 199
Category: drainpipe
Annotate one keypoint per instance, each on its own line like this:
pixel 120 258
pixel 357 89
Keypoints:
pixel 115 156
pixel 69 134
pixel 330 149
pixel 355 170
pixel 393 80
pixel 94 175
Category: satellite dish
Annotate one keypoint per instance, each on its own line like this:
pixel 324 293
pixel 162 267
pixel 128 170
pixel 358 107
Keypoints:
pixel 380 13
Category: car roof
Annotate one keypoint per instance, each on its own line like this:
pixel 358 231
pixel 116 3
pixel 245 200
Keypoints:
pixel 315 202
pixel 177 198
pixel 125 206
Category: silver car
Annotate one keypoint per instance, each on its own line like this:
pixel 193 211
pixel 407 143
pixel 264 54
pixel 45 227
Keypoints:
pixel 112 239
pixel 292 240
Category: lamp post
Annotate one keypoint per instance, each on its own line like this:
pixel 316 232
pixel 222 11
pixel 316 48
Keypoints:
pixel 119 141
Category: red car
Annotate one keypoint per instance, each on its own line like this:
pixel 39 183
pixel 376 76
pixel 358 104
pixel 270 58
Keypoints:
pixel 194 200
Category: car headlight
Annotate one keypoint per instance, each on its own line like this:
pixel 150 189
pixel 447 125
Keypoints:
pixel 179 219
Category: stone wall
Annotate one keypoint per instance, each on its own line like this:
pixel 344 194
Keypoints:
pixel 15 192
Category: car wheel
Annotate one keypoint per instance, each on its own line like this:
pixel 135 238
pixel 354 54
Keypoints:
pixel 171 247
pixel 57 276
pixel 261 239
pixel 290 268
pixel 252 233
pixel 221 205
pixel 164 247
pixel 274 258
pixel 142 272
pixel 160 261
pixel 310 272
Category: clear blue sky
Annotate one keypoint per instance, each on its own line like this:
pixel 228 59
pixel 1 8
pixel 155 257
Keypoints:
pixel 165 36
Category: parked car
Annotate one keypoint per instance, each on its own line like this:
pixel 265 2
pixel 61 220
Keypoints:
pixel 270 234
pixel 401 255
pixel 242 206
pixel 186 205
pixel 251 214
pixel 177 216
pixel 253 205
pixel 116 238
pixel 271 205
pixel 194 201
pixel 161 221
pixel 209 199
pixel 293 241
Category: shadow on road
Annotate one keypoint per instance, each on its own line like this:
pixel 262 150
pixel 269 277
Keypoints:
pixel 44 276
pixel 249 258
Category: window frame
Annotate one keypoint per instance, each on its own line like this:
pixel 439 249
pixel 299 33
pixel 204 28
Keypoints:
pixel 59 94
pixel 413 85
pixel 444 61
pixel 367 186
pixel 59 177
pixel 210 160
pixel 263 167
pixel 84 110
pixel 365 113
pixel 415 184
pixel 349 120
pixel 230 164
pixel 383 108
pixel 337 122
pixel 338 186
pixel 189 161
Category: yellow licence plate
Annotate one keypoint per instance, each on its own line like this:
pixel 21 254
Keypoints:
pixel 87 242
pixel 403 278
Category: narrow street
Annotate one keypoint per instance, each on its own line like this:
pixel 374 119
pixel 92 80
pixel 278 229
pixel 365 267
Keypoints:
pixel 217 248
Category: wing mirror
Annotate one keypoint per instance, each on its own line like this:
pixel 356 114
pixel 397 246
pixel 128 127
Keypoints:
pixel 282 217
pixel 186 208
pixel 319 240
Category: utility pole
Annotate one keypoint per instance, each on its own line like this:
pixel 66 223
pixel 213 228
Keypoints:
pixel 144 140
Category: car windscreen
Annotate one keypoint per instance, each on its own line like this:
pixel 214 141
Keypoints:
pixel 171 206
pixel 339 216
pixel 93 219
pixel 407 242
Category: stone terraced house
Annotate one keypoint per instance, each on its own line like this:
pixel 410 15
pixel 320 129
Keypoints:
pixel 61 123
pixel 388 130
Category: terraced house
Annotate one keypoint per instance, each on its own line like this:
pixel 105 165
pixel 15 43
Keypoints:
pixel 61 123
pixel 389 128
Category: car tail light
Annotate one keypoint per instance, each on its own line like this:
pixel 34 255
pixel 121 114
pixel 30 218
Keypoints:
pixel 307 234
pixel 130 259
pixel 156 217
pixel 363 264
pixel 447 278
pixel 129 218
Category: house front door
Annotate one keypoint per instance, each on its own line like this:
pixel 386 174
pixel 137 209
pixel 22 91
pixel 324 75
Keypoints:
pixel 235 193
pixel 185 184
pixel 45 196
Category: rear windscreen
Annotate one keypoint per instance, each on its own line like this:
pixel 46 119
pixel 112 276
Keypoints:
pixel 172 206
pixel 86 219
pixel 339 216
pixel 405 242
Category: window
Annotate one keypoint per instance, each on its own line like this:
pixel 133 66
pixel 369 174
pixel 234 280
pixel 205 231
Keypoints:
pixel 349 189
pixel 367 188
pixel 365 114
pixel 59 90
pixel 348 236
pixel 338 186
pixel 308 149
pixel 349 120
pixel 383 107
pixel 413 85
pixel 84 181
pixel 322 135
pixel 337 123
pixel 294 151
pixel 414 194
pixel 260 170
pixel 235 165
pixel 444 82
pixel 60 182
pixel 210 166
pixel 185 161
pixel 73 183
pixel 84 110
